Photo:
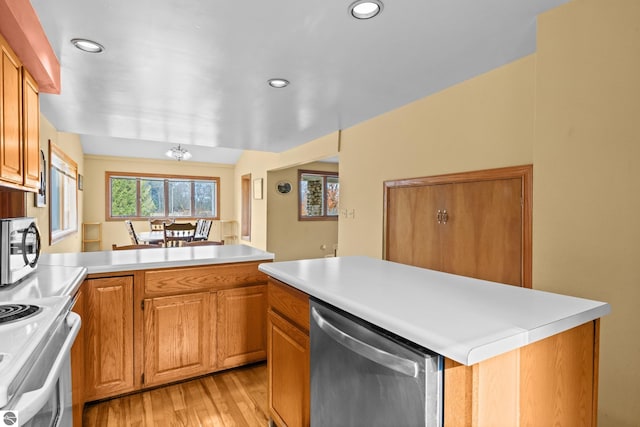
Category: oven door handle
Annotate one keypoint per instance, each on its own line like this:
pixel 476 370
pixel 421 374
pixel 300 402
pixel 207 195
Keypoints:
pixel 376 355
pixel 31 402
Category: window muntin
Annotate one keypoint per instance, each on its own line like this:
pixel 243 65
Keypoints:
pixel 137 196
pixel 63 207
pixel 318 195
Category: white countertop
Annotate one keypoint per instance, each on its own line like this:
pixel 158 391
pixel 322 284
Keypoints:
pixel 47 281
pixel 142 259
pixel 464 319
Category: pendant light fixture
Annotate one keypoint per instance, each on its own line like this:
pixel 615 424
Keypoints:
pixel 178 153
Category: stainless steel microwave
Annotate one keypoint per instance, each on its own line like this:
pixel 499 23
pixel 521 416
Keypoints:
pixel 19 249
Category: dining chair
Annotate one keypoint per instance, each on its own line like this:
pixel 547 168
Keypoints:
pixel 132 232
pixel 203 243
pixel 177 233
pixel 158 224
pixel 125 247
pixel 203 227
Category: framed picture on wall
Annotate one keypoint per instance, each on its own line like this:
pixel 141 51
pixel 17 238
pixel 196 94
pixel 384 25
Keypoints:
pixel 41 196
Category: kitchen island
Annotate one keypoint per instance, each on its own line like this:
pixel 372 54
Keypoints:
pixel 160 315
pixel 513 356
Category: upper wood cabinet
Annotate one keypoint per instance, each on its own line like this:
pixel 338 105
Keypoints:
pixel 475 224
pixel 31 127
pixel 19 124
pixel 10 116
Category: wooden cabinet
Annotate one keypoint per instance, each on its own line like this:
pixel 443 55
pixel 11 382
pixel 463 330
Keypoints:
pixel 241 333
pixel 11 149
pixel 552 382
pixel 147 328
pixel 78 362
pixel 31 134
pixel 108 336
pixel 288 355
pixel 19 123
pixel 177 336
pixel 475 224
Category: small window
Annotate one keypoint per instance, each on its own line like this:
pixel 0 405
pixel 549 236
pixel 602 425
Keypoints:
pixel 63 208
pixel 319 195
pixel 133 196
pixel 245 226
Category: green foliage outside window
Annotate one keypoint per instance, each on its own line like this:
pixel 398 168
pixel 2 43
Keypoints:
pixel 148 197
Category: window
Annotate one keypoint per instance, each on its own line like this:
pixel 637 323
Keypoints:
pixel 245 226
pixel 133 196
pixel 319 195
pixel 63 206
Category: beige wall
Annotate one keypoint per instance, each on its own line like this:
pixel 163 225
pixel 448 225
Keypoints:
pixel 70 144
pixel 258 164
pixel 94 183
pixel 571 110
pixel 287 237
pixel 482 123
pixel 587 180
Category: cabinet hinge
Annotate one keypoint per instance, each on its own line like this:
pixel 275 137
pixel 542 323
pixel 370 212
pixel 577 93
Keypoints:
pixel 142 379
pixel 142 304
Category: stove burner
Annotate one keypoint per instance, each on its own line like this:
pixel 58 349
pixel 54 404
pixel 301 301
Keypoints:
pixel 13 312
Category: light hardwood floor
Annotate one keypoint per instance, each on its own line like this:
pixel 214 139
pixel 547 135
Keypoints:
pixel 237 397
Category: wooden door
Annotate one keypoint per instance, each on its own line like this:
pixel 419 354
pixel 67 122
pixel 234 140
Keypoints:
pixel 78 363
pixel 109 337
pixel 176 337
pixel 482 230
pixel 31 126
pixel 10 116
pixel 288 370
pixel 413 231
pixel 242 326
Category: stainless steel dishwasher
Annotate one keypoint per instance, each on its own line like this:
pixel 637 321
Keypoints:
pixel 364 376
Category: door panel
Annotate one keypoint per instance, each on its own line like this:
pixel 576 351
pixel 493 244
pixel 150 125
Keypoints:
pixel 176 337
pixel 109 336
pixel 11 117
pixel 483 232
pixel 413 233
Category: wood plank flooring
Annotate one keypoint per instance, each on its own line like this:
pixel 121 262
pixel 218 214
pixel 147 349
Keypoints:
pixel 237 397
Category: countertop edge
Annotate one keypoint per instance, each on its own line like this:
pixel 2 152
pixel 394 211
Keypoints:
pixel 462 354
pixel 172 264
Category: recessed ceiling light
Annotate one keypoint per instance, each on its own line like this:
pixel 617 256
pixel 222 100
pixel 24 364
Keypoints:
pixel 88 45
pixel 278 83
pixel 365 9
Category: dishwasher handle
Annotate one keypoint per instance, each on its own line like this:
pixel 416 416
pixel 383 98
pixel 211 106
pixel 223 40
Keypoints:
pixel 376 355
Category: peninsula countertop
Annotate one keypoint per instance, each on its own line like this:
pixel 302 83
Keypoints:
pixel 464 319
pixel 143 259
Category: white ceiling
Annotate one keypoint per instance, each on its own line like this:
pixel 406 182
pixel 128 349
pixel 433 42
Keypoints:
pixel 194 72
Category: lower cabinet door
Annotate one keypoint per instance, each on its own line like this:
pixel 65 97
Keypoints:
pixel 288 367
pixel 242 321
pixel 108 337
pixel 78 363
pixel 177 337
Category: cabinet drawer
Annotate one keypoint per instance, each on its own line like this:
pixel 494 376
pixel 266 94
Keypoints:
pixel 290 303
pixel 194 279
